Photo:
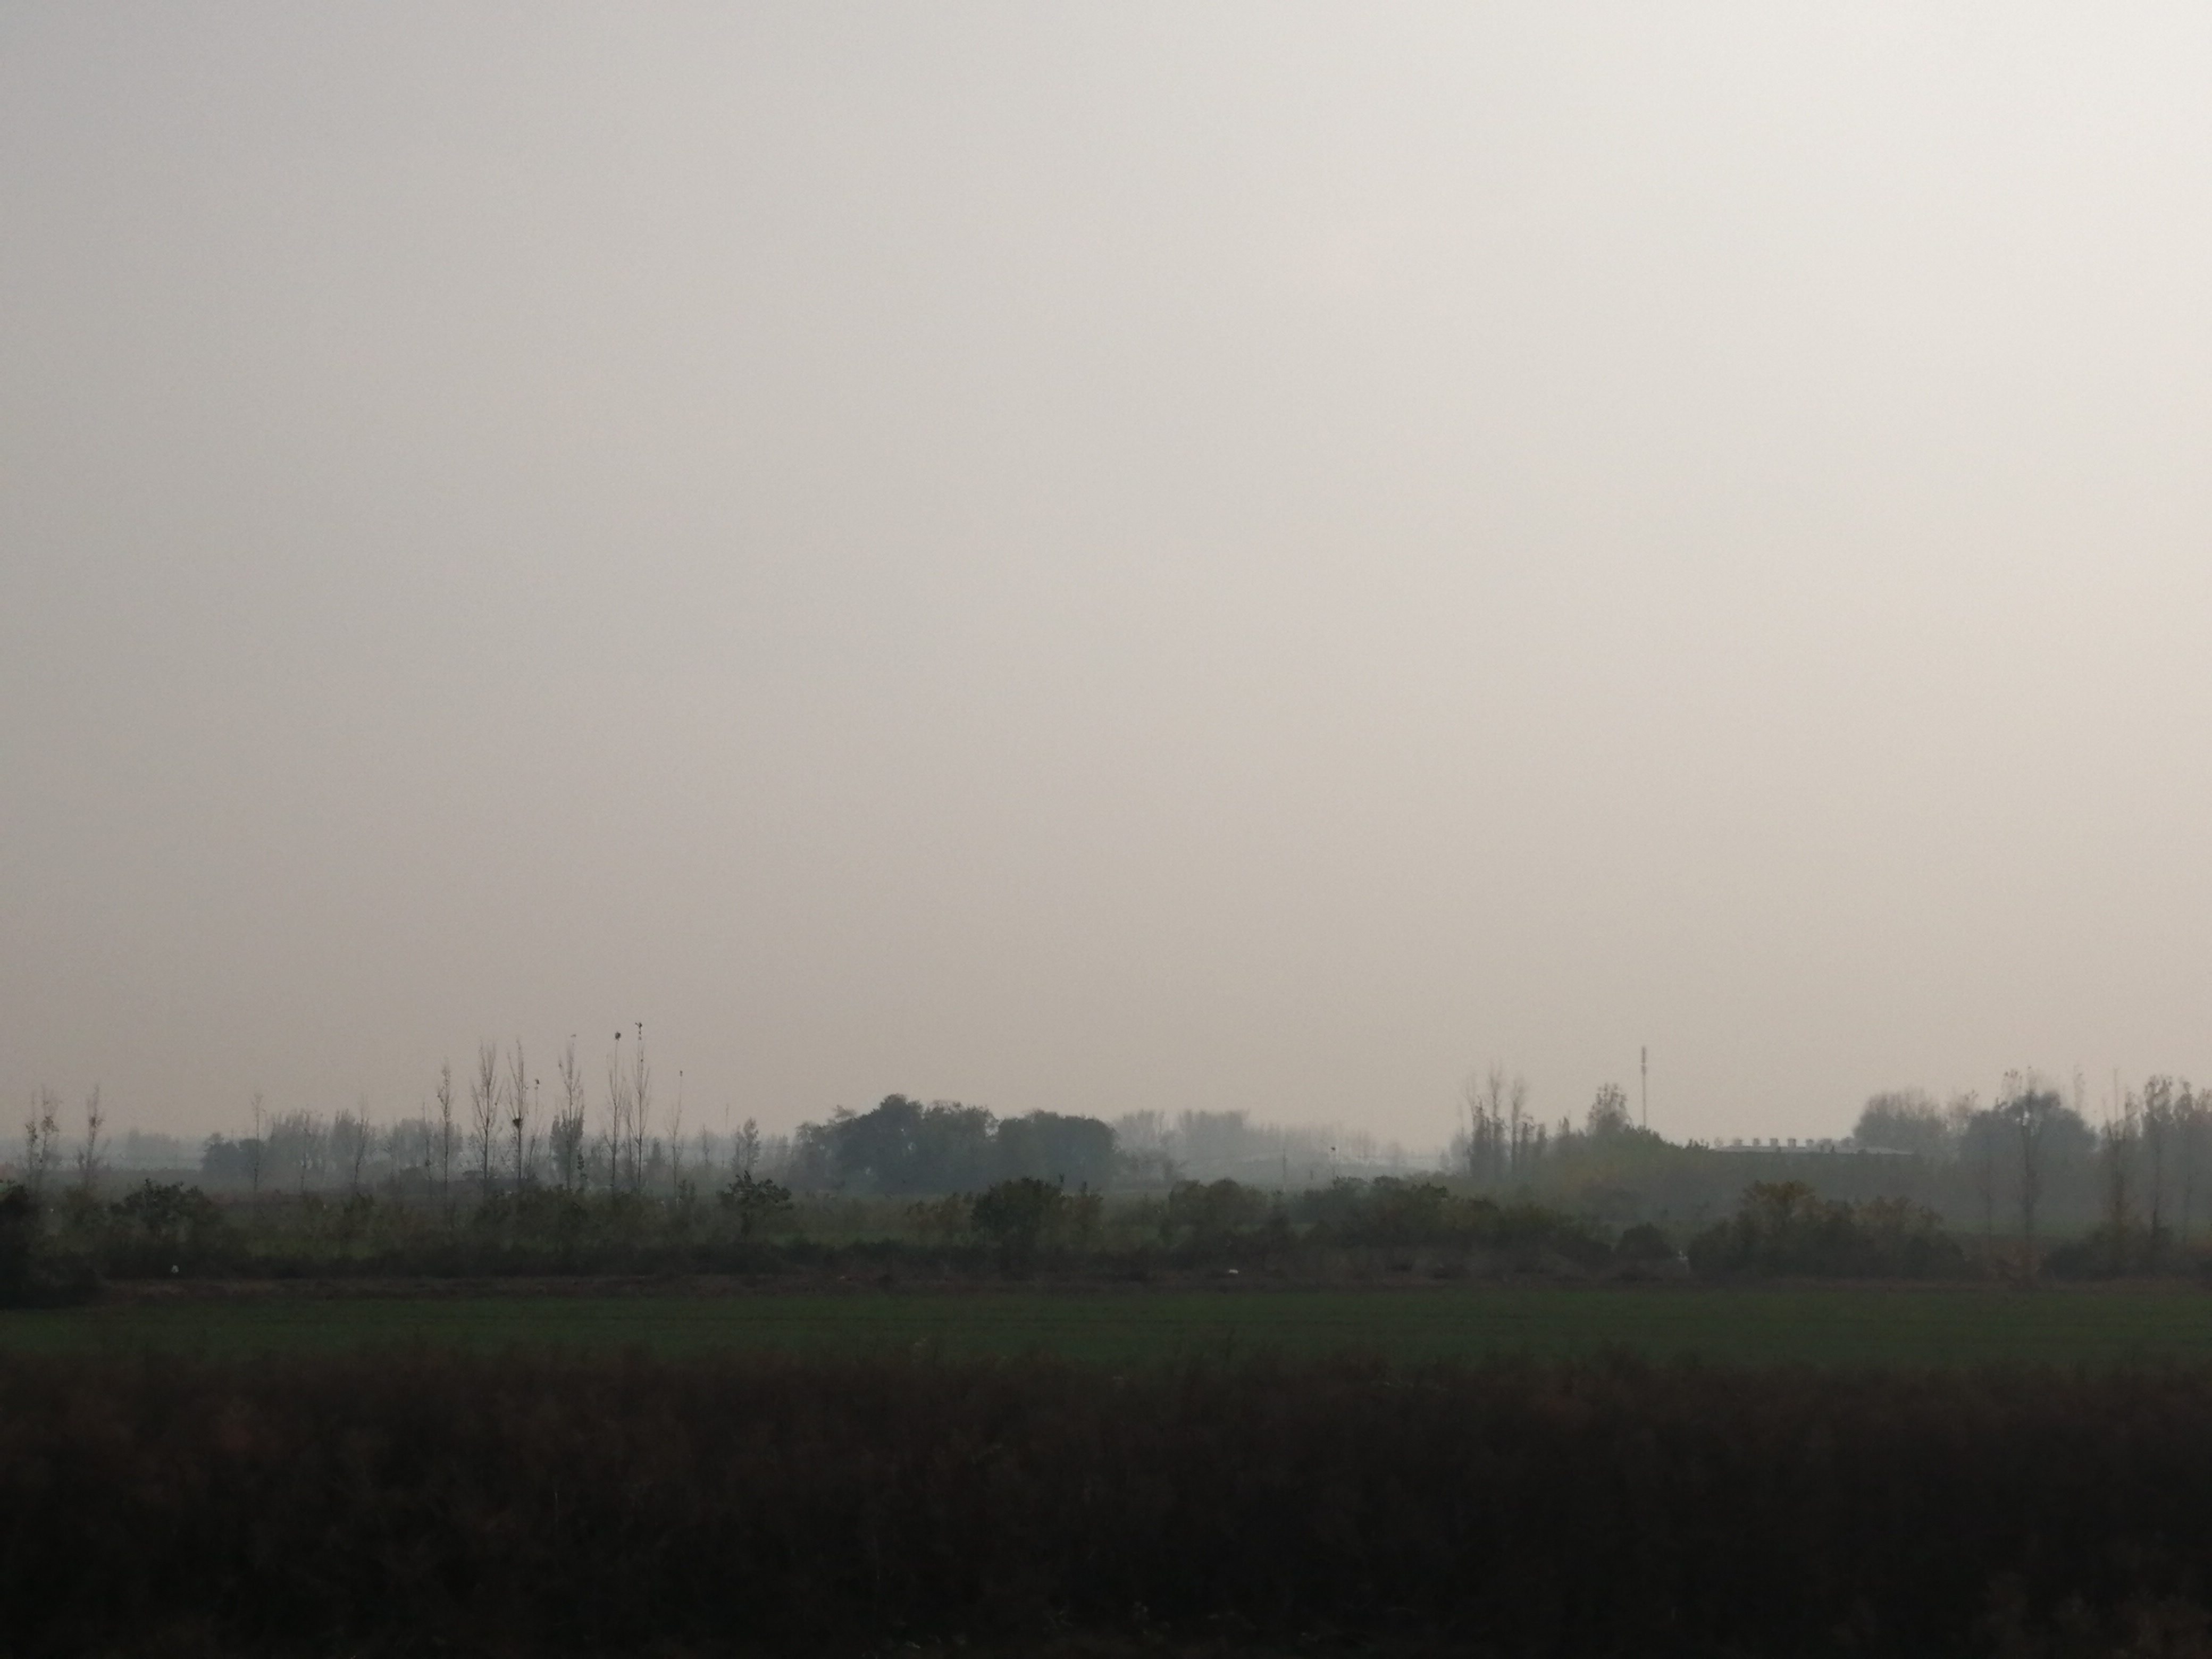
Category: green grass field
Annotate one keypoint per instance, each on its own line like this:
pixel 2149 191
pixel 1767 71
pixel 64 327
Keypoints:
pixel 1849 1326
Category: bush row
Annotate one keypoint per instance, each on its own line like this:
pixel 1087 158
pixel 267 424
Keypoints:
pixel 1021 1226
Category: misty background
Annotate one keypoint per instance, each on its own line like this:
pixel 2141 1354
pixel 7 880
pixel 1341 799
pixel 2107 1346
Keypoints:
pixel 1144 558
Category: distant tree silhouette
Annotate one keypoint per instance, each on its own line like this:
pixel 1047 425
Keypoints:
pixel 753 1199
pixel 484 1113
pixel 1905 1120
pixel 1608 1112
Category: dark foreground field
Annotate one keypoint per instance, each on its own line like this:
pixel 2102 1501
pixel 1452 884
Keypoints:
pixel 455 1501
pixel 692 1467
pixel 1820 1324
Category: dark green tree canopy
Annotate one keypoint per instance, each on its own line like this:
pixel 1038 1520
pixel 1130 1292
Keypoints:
pixel 903 1146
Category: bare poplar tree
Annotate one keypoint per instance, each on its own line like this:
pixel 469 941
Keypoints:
pixel 484 1113
pixel 640 1109
pixel 87 1157
pixel 518 1103
pixel 342 1142
pixel 617 1116
pixel 569 1125
pixel 676 1136
pixel 1466 1147
pixel 1494 1115
pixel 312 1140
pixel 2158 1136
pixel 746 1147
pixel 256 1144
pixel 2117 1153
pixel 1981 1128
pixel 2029 1111
pixel 1463 1148
pixel 363 1139
pixel 2188 1110
pixel 1516 1105
pixel 446 1136
pixel 309 1140
pixel 41 1136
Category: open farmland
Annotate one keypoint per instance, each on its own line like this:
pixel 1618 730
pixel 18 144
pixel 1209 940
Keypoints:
pixel 1844 1325
pixel 444 1501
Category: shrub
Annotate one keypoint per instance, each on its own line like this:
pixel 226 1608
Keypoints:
pixel 1643 1242
pixel 18 1224
pixel 1206 1213
pixel 1021 1215
pixel 753 1198
pixel 2110 1252
pixel 1785 1228
pixel 1391 1212
pixel 160 1226
pixel 171 1215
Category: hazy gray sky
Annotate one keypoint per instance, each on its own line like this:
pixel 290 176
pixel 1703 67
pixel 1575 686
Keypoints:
pixel 1097 558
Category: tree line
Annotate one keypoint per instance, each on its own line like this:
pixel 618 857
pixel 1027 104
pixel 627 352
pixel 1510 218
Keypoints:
pixel 2131 1185
pixel 498 1128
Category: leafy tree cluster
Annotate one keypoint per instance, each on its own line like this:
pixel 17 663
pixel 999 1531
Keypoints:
pixel 2151 1170
pixel 1503 1146
pixel 903 1147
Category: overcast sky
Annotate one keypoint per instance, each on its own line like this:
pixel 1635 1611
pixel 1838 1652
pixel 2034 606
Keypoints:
pixel 1099 558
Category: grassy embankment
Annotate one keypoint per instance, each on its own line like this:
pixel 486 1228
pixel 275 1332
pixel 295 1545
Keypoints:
pixel 1832 1325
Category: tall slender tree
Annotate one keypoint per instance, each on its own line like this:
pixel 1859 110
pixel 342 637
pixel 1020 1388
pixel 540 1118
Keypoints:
pixel 2029 1110
pixel 87 1157
pixel 519 1101
pixel 618 1113
pixel 41 1133
pixel 568 1127
pixel 256 1144
pixel 2189 1127
pixel 445 1137
pixel 2158 1138
pixel 675 1137
pixel 2116 1153
pixel 640 1109
pixel 484 1113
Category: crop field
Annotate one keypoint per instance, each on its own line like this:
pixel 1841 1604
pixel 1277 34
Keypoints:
pixel 1849 1326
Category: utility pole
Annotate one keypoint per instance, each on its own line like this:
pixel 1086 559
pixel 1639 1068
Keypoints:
pixel 1644 1084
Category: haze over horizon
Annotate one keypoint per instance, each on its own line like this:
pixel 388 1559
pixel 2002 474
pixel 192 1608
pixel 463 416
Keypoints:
pixel 1220 557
